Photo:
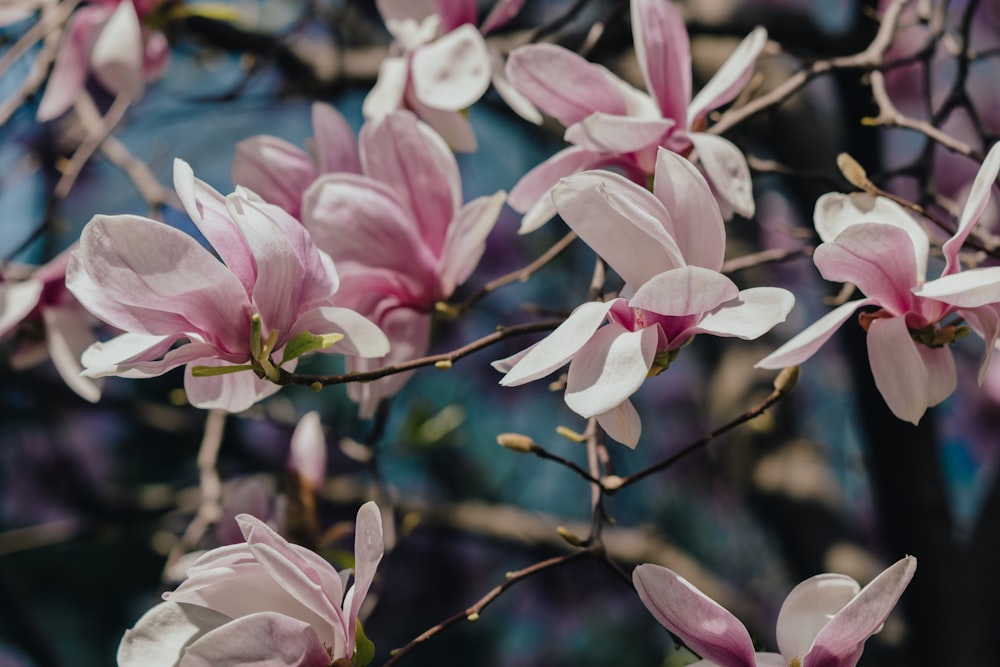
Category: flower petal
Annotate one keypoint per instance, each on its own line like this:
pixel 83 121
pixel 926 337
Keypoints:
pixel 688 290
pixel 369 545
pixel 607 133
pixel 117 54
pixel 274 169
pixel 68 333
pixel 808 608
pixel 452 72
pixel 900 373
pixel 664 54
pixel 731 77
pixel 334 143
pixel 465 242
pixel 265 639
pixel 17 300
pixel 805 344
pixel 532 194
pixel 754 312
pixel 520 104
pixel 69 73
pixel 700 622
pixel 968 289
pixel 975 206
pixel 386 95
pixel 160 636
pixel 727 171
pixel 609 368
pixel 985 321
pixel 697 228
pixel 501 14
pixel 307 452
pixel 622 423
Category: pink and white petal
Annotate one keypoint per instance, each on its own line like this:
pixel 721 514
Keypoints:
pixel 985 321
pixel 387 94
pixel 68 333
pixel 361 337
pixel 700 622
pixel 698 228
pixel 103 358
pixel 69 73
pixel 975 206
pixel 232 392
pixel 731 77
pixel 623 222
pixel 844 636
pixel 608 133
pixel 876 258
pixel 755 312
pixel 333 141
pixel 307 452
pixel 369 546
pixel 808 608
pixel 563 84
pixel 968 289
pixel 161 635
pixel 454 13
pixel 898 368
pixel 116 56
pixel 836 212
pixel 622 423
pixel 265 639
pixel 17 300
pixel 664 55
pixel 520 104
pixel 502 13
pixel 727 171
pixel 942 379
pixel 452 72
pixel 688 290
pixel 609 368
pixel 532 194
pixel 274 169
pixel 807 342
pixel 466 240
pixel 558 347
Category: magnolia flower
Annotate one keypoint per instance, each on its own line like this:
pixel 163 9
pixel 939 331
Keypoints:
pixel 107 39
pixel 824 621
pixel 874 244
pixel 400 236
pixel 265 602
pixel 440 64
pixel 272 294
pixel 610 123
pixel 41 304
pixel 668 247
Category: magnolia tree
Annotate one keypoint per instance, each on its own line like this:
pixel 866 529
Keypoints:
pixel 672 213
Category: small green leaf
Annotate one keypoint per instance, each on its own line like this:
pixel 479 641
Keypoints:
pixel 308 342
pixel 211 371
pixel 364 648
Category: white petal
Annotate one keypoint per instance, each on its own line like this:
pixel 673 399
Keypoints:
pixel 609 368
pixel 808 608
pixel 622 423
pixel 161 634
pixel 727 169
pixel 452 72
pixel 752 314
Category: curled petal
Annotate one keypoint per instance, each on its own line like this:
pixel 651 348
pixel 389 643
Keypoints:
pixel 622 423
pixel 755 312
pixel 975 206
pixel 452 72
pixel 804 345
pixel 162 633
pixel 266 639
pixel 731 77
pixel 609 368
pixel 727 170
pixel 697 228
pixel 808 608
pixel 606 133
pixel 369 546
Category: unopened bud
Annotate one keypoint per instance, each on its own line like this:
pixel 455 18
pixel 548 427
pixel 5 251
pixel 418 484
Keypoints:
pixel 473 617
pixel 612 483
pixel 569 536
pixel 854 172
pixel 517 442
pixel 316 386
pixel 570 434
pixel 443 365
pixel 786 379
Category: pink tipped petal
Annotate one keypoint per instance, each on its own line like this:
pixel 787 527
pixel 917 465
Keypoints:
pixel 623 222
pixel 900 373
pixel 386 95
pixel 520 104
pixel 67 335
pixel 844 636
pixel 868 255
pixel 559 346
pixel 69 73
pixel 274 169
pixel 265 639
pixel 755 312
pixel 804 345
pixel 452 72
pixel 466 240
pixel 307 455
pixel 808 608
pixel 968 289
pixel 17 300
pixel 563 84
pixel 975 206
pixel 700 622
pixel 334 142
pixel 607 133
pixel 727 170
pixel 368 549
pixel 503 12
pixel 731 77
pixel 360 336
pixel 622 423
pixel 232 392
pixel 160 636
pixel 664 55
pixel 609 368
pixel 698 227
pixel 117 54
pixel 688 290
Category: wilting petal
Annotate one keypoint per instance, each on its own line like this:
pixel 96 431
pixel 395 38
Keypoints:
pixel 898 368
pixel 700 622
pixel 368 549
pixel 727 169
pixel 162 633
pixel 607 133
pixel 664 55
pixel 452 72
pixel 274 169
pixel 688 290
pixel 17 300
pixel 386 95
pixel 968 289
pixel 845 634
pixel 266 639
pixel 808 608
pixel 67 335
pixel 805 344
pixel 117 54
pixel 697 222
pixel 466 240
pixel 563 84
pixel 532 194
pixel 624 224
pixel 975 206
pixel 558 347
pixel 69 73
pixel 876 258
pixel 334 144
pixel 836 212
pixel 502 13
pixel 755 312
pixel 731 77
pixel 307 454
pixel 609 368
pixel 360 336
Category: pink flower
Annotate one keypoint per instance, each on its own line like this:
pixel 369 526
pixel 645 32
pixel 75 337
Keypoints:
pixel 265 602
pixel 824 621
pixel 668 246
pixel 874 244
pixel 401 237
pixel 107 39
pixel 440 65
pixel 610 123
pixel 272 294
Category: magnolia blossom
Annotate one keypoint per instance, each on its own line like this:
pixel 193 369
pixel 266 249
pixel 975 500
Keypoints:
pixel 401 237
pixel 824 621
pixel 265 602
pixel 874 244
pixel 270 296
pixel 610 123
pixel 41 304
pixel 105 38
pixel 668 246
pixel 440 64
